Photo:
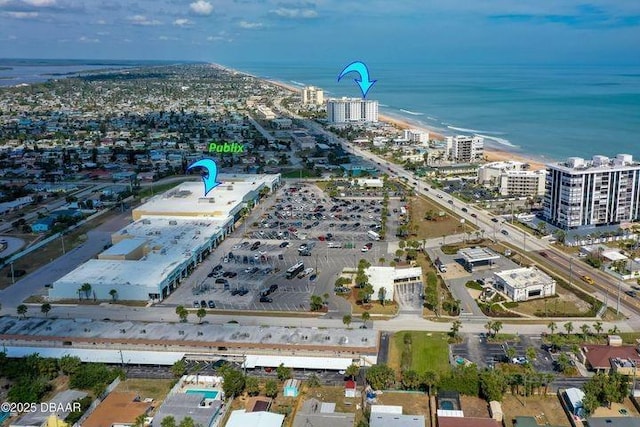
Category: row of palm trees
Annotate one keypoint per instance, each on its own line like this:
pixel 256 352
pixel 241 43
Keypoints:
pixel 22 309
pixel 584 328
pixel 86 289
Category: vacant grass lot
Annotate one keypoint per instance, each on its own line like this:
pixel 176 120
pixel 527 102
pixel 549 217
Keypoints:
pixel 157 389
pixel 429 350
pixel 428 229
pixel 546 409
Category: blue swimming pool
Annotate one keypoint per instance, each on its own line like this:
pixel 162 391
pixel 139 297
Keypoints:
pixel 446 405
pixel 208 394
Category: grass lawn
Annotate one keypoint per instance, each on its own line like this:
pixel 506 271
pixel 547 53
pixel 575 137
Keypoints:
pixel 546 409
pixel 429 229
pixel 300 173
pixel 412 403
pixel 153 190
pixel 156 389
pixel 429 350
pixel 567 303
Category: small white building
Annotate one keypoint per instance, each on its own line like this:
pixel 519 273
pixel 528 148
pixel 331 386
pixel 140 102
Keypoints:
pixel 523 284
pixel 369 183
pixel 390 277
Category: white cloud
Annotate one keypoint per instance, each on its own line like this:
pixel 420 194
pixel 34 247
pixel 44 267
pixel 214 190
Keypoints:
pixel 182 22
pixel 295 13
pixel 165 38
pixel 21 15
pixel 250 25
pixel 143 20
pixel 201 7
pixel 85 39
pixel 101 22
pixel 40 3
pixel 103 33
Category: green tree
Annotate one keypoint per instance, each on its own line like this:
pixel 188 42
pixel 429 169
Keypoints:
pixel 86 288
pixel 252 386
pixel 168 421
pixel 69 365
pixel 140 420
pixel 496 327
pixel 352 370
pixel 233 382
pixel 511 353
pixel 201 314
pixel 283 372
pixel 455 328
pixel 552 327
pixel 493 384
pixel 114 295
pixel 187 422
pixel 410 380
pixel 597 326
pixel 316 303
pixel 380 377
pixel 531 353
pixel 365 317
pixel 382 295
pixel 586 329
pixel 313 381
pixel 430 380
pixel 179 368
pixel 22 310
pixel 346 319
pixel 182 313
pixel 271 389
pixel 45 309
pixel 568 327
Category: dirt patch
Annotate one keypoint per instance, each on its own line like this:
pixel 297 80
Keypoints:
pixel 474 407
pixel 545 409
pixel 617 409
pixel 412 403
pixel 442 226
pixel 455 271
pixel 157 389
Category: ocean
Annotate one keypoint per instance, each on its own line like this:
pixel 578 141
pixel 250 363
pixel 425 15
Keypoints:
pixel 549 112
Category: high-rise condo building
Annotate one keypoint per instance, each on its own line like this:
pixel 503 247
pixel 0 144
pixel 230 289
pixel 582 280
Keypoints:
pixel 581 193
pixel 312 95
pixel 465 149
pixel 346 110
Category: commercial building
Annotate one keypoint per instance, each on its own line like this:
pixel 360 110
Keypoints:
pixel 512 178
pixel 350 110
pixel 312 95
pixel 416 135
pixel 523 284
pixel 465 149
pixel 165 342
pixel 603 191
pixel 391 277
pixel 172 233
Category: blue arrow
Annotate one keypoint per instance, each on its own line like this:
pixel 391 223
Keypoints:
pixel 209 178
pixel 364 82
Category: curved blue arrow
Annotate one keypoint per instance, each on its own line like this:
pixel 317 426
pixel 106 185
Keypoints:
pixel 210 177
pixel 364 82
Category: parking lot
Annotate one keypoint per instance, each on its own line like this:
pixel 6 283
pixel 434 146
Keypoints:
pixel 248 271
pixel 477 349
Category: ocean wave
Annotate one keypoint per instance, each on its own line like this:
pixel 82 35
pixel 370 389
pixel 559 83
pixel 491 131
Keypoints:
pixel 297 83
pixel 432 118
pixel 413 113
pixel 380 105
pixel 500 141
pixel 476 131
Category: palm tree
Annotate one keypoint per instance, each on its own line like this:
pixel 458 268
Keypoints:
pixel 430 379
pixel 365 317
pixel 552 327
pixel 22 310
pixel 613 330
pixel 182 313
pixel 346 319
pixel 86 288
pixel 585 330
pixel 568 327
pixel 45 309
pixel 455 328
pixel 201 313
pixel 597 327
pixel 497 325
pixel 140 420
pixel 113 294
pixel 489 326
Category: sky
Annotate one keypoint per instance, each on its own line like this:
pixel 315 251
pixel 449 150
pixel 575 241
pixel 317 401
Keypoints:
pixel 402 31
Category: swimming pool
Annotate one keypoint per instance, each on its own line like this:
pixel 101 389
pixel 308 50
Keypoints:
pixel 208 394
pixel 446 405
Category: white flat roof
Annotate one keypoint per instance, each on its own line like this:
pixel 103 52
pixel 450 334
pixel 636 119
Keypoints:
pixel 521 278
pixel 331 363
pixel 170 242
pixel 165 358
pixel 386 409
pixel 124 247
pixel 472 255
pixel 241 418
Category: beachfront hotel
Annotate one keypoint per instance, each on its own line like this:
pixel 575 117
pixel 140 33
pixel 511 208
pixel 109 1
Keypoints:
pixel 465 149
pixel 348 110
pixel 312 95
pixel 511 178
pixel 581 194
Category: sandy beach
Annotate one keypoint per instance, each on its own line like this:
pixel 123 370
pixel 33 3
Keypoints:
pixel 491 154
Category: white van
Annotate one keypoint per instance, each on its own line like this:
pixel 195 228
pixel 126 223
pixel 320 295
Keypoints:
pixel 373 235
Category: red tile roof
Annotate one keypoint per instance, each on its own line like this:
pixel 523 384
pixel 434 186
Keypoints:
pixel 350 384
pixel 467 422
pixel 598 355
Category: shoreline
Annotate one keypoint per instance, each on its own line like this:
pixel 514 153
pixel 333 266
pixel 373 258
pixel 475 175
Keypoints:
pixel 493 152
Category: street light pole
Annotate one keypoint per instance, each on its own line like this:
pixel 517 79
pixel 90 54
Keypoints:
pixel 618 304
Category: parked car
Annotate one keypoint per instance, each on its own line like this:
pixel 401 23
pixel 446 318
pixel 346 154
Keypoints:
pixel 284 244
pixel 211 304
pixel 266 299
pixel 196 304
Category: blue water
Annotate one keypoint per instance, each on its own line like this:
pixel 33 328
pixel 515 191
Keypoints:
pixel 208 394
pixel 552 112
